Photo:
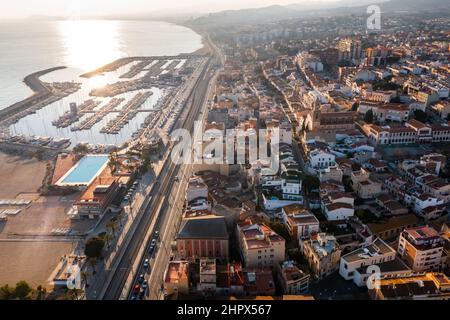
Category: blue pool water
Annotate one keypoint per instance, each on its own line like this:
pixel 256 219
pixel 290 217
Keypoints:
pixel 86 169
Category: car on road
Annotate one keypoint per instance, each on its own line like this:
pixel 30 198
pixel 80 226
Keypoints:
pixel 156 235
pixel 153 243
pixel 151 250
pixel 146 263
pixel 176 179
pixel 141 278
pixel 143 290
pixel 136 289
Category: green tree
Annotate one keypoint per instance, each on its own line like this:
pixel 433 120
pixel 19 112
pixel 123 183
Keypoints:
pixel 22 290
pixel 74 294
pixel 111 226
pixel 7 293
pixel 311 183
pixel 81 149
pixel 108 237
pixel 40 293
pixel 94 247
pixel 355 106
pixel 368 117
pixel 39 154
pixel 113 161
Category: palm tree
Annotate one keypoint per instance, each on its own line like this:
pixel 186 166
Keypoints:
pixel 74 293
pixel 112 225
pixel 108 239
pixel 120 216
pixel 112 161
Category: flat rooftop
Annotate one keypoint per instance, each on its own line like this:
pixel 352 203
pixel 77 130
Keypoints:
pixel 376 248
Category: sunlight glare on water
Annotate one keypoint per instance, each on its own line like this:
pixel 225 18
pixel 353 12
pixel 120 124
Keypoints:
pixel 90 44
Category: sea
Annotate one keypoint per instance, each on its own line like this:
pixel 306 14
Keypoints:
pixel 28 46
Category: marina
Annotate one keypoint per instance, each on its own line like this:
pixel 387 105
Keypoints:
pixel 135 70
pixel 127 113
pixel 73 115
pixel 96 117
pixel 131 99
pixel 53 92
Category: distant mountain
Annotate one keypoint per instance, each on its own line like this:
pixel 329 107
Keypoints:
pixel 247 15
pixel 416 5
pixel 325 5
pixel 317 7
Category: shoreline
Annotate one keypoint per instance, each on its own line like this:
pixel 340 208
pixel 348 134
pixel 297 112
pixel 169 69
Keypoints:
pixel 40 91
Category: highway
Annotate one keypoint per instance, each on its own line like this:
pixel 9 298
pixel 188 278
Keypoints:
pixel 154 213
pixel 169 217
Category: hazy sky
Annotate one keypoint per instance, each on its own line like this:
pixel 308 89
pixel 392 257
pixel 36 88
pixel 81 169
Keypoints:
pixel 24 8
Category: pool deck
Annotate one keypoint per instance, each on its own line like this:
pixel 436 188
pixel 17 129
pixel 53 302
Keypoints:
pixel 62 183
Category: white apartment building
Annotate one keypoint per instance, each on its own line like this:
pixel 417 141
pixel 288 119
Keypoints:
pixel 375 253
pixel 321 159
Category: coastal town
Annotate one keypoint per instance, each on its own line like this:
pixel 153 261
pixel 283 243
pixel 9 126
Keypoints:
pixel 357 209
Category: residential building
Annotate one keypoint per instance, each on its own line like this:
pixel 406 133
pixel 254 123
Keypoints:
pixel 390 135
pixel 333 173
pixel 323 254
pixel 321 159
pixel 196 189
pixel 207 277
pixel 292 184
pixel 368 189
pixel 427 206
pixel 392 206
pixel 258 282
pixel 390 229
pixel 421 248
pixel 426 286
pixel 260 246
pixel 300 222
pixel 293 280
pixel 373 254
pixel 349 50
pixel 176 279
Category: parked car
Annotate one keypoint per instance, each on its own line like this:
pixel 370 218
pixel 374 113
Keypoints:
pixel 136 289
pixel 151 250
pixel 146 263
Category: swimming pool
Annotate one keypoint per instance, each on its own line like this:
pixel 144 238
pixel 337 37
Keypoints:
pixel 85 170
